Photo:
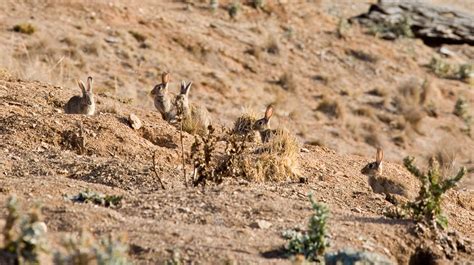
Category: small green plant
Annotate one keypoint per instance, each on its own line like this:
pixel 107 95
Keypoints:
pixel 342 28
pixel 25 28
pixel 84 249
pixel 214 4
pixel 234 9
pixel 312 244
pixel 427 207
pixel 257 3
pixel 442 69
pixel 97 198
pixel 24 235
pixel 392 30
pixel 461 109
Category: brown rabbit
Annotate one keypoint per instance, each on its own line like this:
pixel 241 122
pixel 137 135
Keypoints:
pixel 162 99
pixel 196 119
pixel 82 105
pixel 379 183
pixel 263 125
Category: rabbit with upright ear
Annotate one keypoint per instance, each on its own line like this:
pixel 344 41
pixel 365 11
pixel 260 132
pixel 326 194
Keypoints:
pixel 82 105
pixel 374 168
pixel 162 99
pixel 196 119
pixel 263 125
pixel 378 182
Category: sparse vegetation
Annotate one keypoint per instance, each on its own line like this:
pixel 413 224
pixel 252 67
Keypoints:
pixel 313 242
pixel 214 4
pixel 24 234
pixel 276 160
pixel 332 108
pixel 138 36
pixel 84 249
pixel 442 69
pixel 412 96
pixel 234 9
pixel 257 3
pixel 97 198
pixel 392 30
pixel 25 28
pixel 342 28
pixel 462 109
pixel 427 207
pixel 287 82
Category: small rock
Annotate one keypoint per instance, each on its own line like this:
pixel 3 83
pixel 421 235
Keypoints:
pixel 135 122
pixel 261 224
pixel 304 150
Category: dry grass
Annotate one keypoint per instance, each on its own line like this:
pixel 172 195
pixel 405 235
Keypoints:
pixel 332 108
pixel 410 100
pixel 244 124
pixel 275 161
pixel 287 82
pixel 25 28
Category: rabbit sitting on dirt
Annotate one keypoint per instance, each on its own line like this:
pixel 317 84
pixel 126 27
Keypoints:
pixel 162 99
pixel 82 105
pixel 195 119
pixel 263 125
pixel 379 183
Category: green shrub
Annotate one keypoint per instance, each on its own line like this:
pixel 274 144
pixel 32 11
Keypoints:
pixel 84 249
pixel 445 70
pixel 97 198
pixel 312 243
pixel 461 109
pixel 427 206
pixel 24 235
pixel 392 30
pixel 234 9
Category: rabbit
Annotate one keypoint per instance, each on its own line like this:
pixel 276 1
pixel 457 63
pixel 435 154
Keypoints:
pixel 162 99
pixel 379 183
pixel 197 119
pixel 263 125
pixel 82 105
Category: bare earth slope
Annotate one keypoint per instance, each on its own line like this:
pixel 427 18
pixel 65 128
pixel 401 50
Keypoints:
pixel 207 225
pixel 234 64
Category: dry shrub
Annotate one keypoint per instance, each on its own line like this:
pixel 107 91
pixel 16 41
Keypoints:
pixel 331 107
pixel 409 101
pixel 365 112
pixel 243 125
pixel 287 82
pixel 446 154
pixel 25 28
pixel 276 160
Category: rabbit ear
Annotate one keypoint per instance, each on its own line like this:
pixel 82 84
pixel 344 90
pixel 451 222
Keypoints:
pixel 188 87
pixel 379 156
pixel 89 84
pixel 269 112
pixel 165 77
pixel 81 86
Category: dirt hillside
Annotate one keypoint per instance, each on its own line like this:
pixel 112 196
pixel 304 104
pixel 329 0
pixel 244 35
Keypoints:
pixel 340 96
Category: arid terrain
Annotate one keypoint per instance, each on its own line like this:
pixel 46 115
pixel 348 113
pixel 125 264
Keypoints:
pixel 340 91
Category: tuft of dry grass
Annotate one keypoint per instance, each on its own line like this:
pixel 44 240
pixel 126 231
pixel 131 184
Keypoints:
pixel 410 100
pixel 275 161
pixel 25 28
pixel 137 35
pixel 331 107
pixel 287 82
pixel 243 125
